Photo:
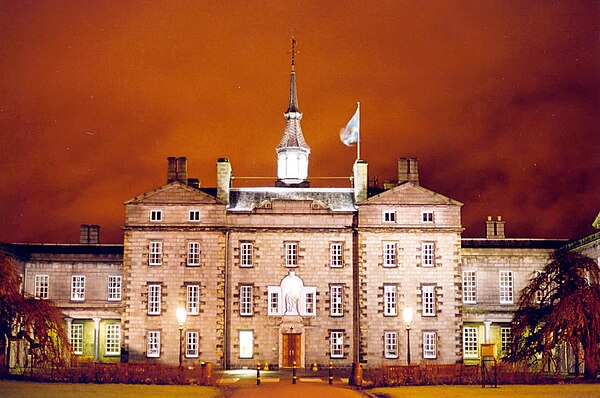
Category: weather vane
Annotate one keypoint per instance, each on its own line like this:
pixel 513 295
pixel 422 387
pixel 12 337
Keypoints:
pixel 293 41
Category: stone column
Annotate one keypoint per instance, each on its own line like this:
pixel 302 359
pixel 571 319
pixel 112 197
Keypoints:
pixel 96 338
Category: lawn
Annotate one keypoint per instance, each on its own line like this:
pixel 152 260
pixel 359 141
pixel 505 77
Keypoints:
pixel 506 391
pixel 18 389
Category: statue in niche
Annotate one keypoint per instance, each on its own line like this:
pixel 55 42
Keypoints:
pixel 291 287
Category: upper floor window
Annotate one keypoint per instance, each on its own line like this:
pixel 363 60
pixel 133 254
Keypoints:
pixel 78 287
pixel 193 299
pixel 113 339
pixel 469 287
pixel 76 338
pixel 154 299
pixel 246 301
pixel 193 254
pixel 390 254
pixel 114 288
pixel 155 257
pixel 194 215
pixel 336 340
pixel 427 254
pixel 390 341
pixel 428 300
pixel 308 304
pixel 390 300
pixel 156 215
pixel 470 342
pixel 42 283
pixel 291 254
pixel 246 254
pixel 506 287
pixel 153 344
pixel 191 344
pixel 429 345
pixel 427 216
pixel 335 255
pixel 274 304
pixel 389 216
pixel 336 297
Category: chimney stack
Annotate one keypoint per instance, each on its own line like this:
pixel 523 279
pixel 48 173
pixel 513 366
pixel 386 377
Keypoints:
pixel 408 170
pixel 94 238
pixel 360 180
pixel 171 169
pixel 177 169
pixel 84 234
pixel 494 229
pixel 223 179
pixel 182 170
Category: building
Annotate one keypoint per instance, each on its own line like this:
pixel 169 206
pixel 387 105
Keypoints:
pixel 288 274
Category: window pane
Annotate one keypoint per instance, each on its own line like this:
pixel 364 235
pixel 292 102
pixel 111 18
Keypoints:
pixel 246 254
pixel 336 294
pixel 246 300
pixel 113 339
pixel 193 299
pixel 469 285
pixel 428 300
pixel 114 288
pixel 193 253
pixel 390 307
pixel 389 254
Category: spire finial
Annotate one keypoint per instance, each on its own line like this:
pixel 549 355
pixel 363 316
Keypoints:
pixel 293 44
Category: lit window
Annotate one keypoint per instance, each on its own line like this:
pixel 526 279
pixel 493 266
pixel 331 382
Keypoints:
pixel 308 304
pixel 390 344
pixel 154 299
pixel 191 344
pixel 470 342
pixel 246 300
pixel 274 300
pixel 114 288
pixel 193 255
pixel 389 254
pixel 291 254
pixel 389 216
pixel 246 254
pixel 469 287
pixel 76 338
pixel 427 253
pixel 153 344
pixel 539 294
pixel 336 340
pixel 506 287
pixel 335 255
pixel 41 286
pixel 155 253
pixel 429 345
pixel 194 215
pixel 155 215
pixel 193 299
pixel 390 301
pixel 113 339
pixel 427 216
pixel 336 296
pixel 428 300
pixel 246 343
pixel 505 340
pixel 78 287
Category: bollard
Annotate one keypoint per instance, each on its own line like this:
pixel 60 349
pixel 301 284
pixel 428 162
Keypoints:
pixel 330 373
pixel 266 367
pixel 258 373
pixel 315 367
pixel 294 377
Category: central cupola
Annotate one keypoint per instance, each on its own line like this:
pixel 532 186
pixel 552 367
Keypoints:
pixel 292 151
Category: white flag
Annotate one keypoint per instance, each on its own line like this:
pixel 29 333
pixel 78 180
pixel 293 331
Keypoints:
pixel 350 134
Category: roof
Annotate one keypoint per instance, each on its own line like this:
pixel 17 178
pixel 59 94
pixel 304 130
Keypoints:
pixel 24 251
pixel 247 199
pixel 408 193
pixel 476 243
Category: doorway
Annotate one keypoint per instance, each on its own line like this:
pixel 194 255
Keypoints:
pixel 291 350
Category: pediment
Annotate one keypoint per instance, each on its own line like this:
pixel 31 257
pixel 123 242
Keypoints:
pixel 293 205
pixel 175 192
pixel 411 194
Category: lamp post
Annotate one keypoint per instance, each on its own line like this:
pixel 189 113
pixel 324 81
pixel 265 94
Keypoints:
pixel 181 315
pixel 407 316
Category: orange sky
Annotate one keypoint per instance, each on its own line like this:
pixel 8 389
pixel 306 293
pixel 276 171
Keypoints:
pixel 499 100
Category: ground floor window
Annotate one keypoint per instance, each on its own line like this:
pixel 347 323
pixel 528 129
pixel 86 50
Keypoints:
pixel 429 345
pixel 470 343
pixel 191 344
pixel 505 340
pixel 153 344
pixel 113 339
pixel 246 343
pixel 76 338
pixel 390 344
pixel 337 344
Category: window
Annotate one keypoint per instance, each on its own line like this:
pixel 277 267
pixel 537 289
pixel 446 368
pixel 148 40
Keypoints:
pixel 246 300
pixel 154 299
pixel 427 254
pixel 246 254
pixel 469 287
pixel 470 342
pixel 156 215
pixel 429 345
pixel 41 286
pixel 335 255
pixel 275 306
pixel 390 300
pixel 336 340
pixel 76 338
pixel 246 343
pixel 78 287
pixel 113 339
pixel 506 287
pixel 114 288
pixel 539 294
pixel 193 255
pixel 155 253
pixel 308 304
pixel 505 339
pixel 389 254
pixel 336 296
pixel 427 216
pixel 390 342
pixel 193 299
pixel 428 300
pixel 194 215
pixel 153 344
pixel 191 344
pixel 291 254
pixel 389 216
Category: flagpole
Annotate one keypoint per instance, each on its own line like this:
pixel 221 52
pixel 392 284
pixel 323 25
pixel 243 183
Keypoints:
pixel 358 138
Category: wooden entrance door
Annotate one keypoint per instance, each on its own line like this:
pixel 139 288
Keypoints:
pixel 291 350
